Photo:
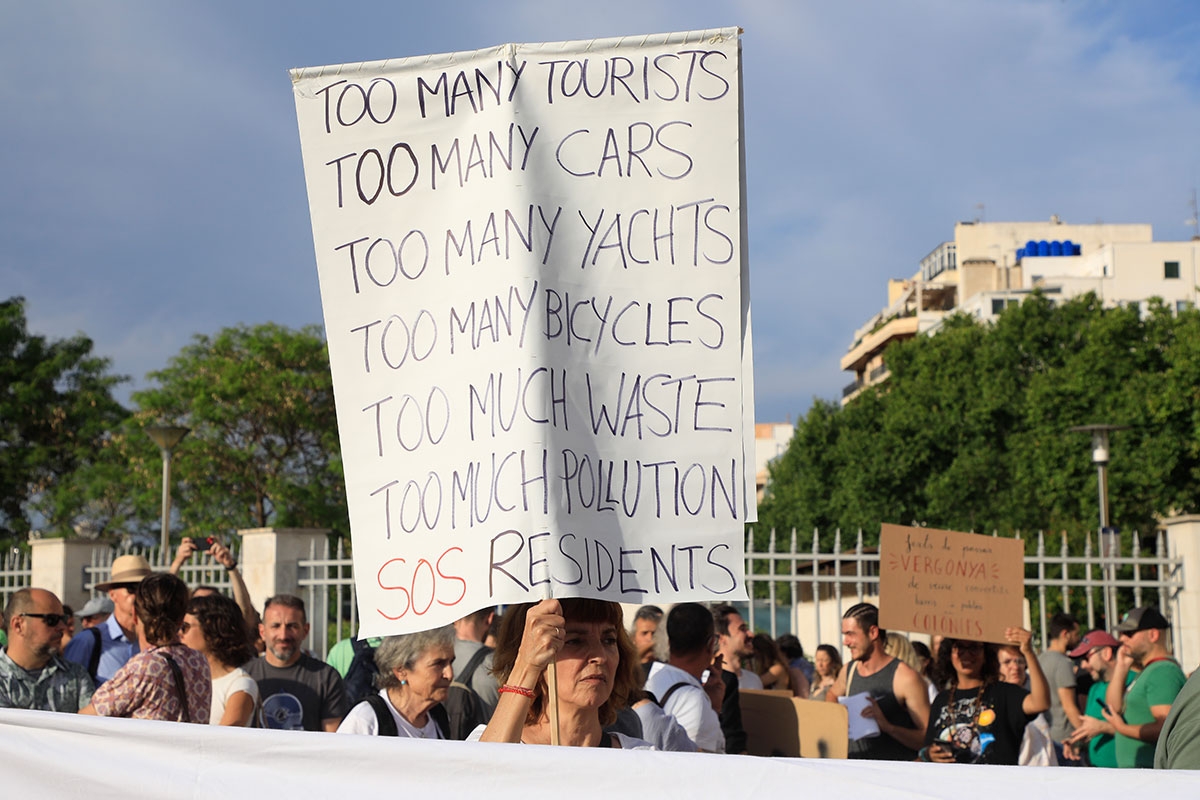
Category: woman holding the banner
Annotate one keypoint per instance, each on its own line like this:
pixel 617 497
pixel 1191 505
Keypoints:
pixel 596 669
pixel 979 719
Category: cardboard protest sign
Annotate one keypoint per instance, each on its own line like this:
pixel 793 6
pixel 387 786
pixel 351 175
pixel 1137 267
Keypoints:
pixel 532 268
pixel 960 585
pixel 778 724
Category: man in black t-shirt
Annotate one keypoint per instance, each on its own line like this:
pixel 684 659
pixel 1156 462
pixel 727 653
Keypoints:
pixel 298 692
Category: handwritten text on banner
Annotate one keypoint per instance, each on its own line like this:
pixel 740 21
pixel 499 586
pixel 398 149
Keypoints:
pixel 960 585
pixel 532 272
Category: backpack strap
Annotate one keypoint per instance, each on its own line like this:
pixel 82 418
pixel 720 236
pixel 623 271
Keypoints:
pixel 671 691
pixel 468 671
pixel 383 716
pixel 184 714
pixel 97 646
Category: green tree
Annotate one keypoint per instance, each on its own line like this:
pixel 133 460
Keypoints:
pixel 56 412
pixel 263 448
pixel 970 432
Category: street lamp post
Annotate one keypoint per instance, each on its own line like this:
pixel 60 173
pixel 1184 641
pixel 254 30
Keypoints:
pixel 1110 543
pixel 166 437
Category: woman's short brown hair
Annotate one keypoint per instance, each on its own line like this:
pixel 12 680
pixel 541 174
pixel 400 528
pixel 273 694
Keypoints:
pixel 224 628
pixel 575 609
pixel 161 600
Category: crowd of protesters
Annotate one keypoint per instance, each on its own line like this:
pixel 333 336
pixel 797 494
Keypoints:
pixel 150 648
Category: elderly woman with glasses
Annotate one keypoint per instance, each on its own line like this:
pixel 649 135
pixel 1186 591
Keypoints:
pixel 979 719
pixel 415 671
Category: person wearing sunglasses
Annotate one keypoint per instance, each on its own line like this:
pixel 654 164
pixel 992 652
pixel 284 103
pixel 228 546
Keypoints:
pixel 32 673
pixel 978 718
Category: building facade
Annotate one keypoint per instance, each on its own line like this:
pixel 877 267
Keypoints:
pixel 992 265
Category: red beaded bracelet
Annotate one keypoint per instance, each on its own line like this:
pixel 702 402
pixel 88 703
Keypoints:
pixel 521 690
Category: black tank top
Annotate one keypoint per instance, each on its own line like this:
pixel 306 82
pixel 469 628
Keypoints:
pixel 881 747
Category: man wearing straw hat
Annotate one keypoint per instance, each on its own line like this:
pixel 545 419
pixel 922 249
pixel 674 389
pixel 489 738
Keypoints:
pixel 105 648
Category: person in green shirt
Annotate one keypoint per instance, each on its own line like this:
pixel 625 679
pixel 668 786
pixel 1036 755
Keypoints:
pixel 1137 713
pixel 341 655
pixel 1098 651
pixel 1179 742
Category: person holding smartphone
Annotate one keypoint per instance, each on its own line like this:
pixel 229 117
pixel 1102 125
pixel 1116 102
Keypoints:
pixel 1095 735
pixel 979 719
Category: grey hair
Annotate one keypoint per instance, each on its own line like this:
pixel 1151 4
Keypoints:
pixel 401 652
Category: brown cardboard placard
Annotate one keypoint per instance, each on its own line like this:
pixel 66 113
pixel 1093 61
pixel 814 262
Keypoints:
pixel 778 724
pixel 960 585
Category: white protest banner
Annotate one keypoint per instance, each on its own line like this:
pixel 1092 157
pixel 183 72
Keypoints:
pixel 532 268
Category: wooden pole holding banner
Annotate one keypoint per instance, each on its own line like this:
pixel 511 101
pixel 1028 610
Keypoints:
pixel 552 701
pixel 552 673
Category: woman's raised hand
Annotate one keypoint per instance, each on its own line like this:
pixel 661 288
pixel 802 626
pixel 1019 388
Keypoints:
pixel 544 635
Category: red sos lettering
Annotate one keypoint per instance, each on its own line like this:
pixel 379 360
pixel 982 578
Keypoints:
pixel 417 590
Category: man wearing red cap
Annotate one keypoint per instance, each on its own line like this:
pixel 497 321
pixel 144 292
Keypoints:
pixel 1138 713
pixel 1098 651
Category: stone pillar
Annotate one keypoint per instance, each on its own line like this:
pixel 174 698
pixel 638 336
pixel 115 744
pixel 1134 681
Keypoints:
pixel 1183 541
pixel 57 565
pixel 269 559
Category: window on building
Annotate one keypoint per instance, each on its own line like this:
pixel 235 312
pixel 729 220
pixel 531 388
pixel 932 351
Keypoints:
pixel 1181 306
pixel 1170 269
pixel 997 305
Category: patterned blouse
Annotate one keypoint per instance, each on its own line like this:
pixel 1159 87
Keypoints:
pixel 145 687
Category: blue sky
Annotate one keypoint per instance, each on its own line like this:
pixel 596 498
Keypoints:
pixel 152 184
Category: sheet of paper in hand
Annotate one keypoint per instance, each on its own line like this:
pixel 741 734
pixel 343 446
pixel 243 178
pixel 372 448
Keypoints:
pixel 860 727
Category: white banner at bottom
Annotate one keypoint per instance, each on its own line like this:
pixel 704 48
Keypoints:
pixel 62 755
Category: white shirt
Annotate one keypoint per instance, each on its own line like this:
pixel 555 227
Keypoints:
pixel 689 705
pixel 749 680
pixel 626 742
pixel 660 729
pixel 226 687
pixel 362 720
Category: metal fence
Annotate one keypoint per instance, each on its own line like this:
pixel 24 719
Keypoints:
pixel 794 584
pixel 200 572
pixel 1093 586
pixel 327 581
pixel 16 572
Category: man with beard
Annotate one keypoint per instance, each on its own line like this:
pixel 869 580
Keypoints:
pixel 298 692
pixel 1098 650
pixel 733 644
pixel 32 674
pixel 899 701
pixel 1137 712
pixel 645 635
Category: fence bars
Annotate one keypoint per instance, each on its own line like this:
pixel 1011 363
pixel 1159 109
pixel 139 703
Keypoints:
pixel 327 583
pixel 16 572
pixel 318 574
pixel 1099 574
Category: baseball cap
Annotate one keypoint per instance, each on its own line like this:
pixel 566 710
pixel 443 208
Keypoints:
pixel 1091 641
pixel 1143 618
pixel 97 605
